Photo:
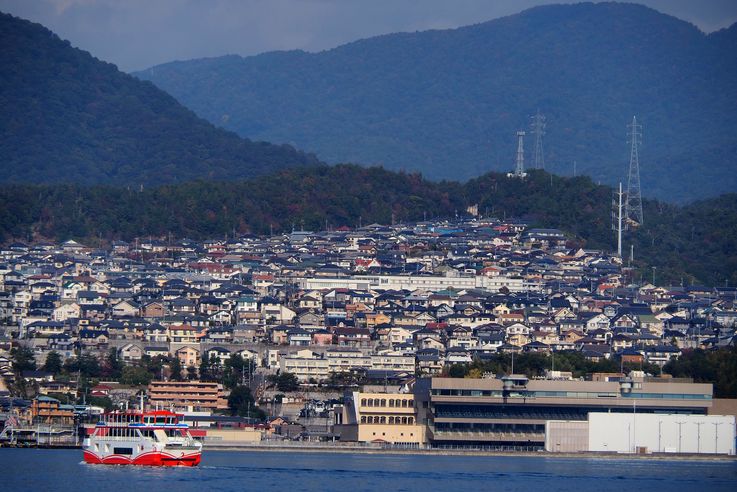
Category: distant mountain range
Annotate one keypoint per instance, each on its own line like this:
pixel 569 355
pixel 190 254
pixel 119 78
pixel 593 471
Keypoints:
pixel 68 117
pixel 448 103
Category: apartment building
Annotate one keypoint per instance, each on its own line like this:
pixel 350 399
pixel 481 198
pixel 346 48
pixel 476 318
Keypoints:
pixel 187 395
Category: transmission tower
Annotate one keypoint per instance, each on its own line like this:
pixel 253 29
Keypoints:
pixel 519 168
pixel 633 207
pixel 537 128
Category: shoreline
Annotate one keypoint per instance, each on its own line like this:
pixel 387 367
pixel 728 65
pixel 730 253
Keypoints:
pixel 348 449
pixel 465 452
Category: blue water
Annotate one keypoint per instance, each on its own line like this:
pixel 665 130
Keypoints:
pixel 62 470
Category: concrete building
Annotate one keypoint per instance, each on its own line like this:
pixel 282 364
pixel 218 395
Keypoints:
pixel 306 365
pixel 425 282
pixel 659 433
pixel 381 417
pixel 514 411
pixel 187 395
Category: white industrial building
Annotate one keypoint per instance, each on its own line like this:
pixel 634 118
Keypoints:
pixel 643 433
pixel 658 433
pixel 423 282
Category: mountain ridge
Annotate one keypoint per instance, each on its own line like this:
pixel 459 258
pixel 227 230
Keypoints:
pixel 694 242
pixel 69 117
pixel 447 103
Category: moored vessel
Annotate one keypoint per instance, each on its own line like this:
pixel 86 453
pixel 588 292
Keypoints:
pixel 133 437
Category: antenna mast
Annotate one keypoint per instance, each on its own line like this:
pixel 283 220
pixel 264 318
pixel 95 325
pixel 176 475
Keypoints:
pixel 633 207
pixel 537 128
pixel 519 168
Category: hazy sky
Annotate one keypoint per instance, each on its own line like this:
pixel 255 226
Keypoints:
pixel 136 34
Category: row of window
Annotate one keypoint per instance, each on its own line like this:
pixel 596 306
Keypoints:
pixel 382 419
pixel 479 427
pixel 567 394
pixel 381 402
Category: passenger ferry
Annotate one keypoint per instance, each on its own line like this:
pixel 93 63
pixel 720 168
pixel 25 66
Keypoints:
pixel 134 437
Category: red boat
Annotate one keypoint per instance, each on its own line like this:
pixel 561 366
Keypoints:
pixel 154 438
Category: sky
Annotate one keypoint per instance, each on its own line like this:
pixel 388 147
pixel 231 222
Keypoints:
pixel 137 34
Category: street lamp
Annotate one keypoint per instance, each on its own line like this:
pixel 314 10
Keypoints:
pixel 716 436
pixel 698 436
pixel 679 435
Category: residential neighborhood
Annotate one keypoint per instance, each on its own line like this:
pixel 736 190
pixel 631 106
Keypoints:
pixel 337 309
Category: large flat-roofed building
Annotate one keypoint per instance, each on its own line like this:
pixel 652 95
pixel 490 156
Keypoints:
pixel 187 395
pixel 513 410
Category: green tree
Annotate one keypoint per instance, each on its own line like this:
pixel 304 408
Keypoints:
pixel 237 370
pixel 23 359
pixel 210 368
pixel 136 376
pixel 717 366
pixel 99 401
pixel 154 365
pixel 113 365
pixel 175 367
pixel 458 371
pixel 242 403
pixel 53 363
pixel 87 365
pixel 285 382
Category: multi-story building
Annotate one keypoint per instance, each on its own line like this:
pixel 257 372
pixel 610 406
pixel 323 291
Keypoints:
pixel 513 410
pixel 306 365
pixel 187 395
pixel 381 417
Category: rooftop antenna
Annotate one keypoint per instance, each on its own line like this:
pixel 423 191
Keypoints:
pixel 537 128
pixel 633 207
pixel 519 168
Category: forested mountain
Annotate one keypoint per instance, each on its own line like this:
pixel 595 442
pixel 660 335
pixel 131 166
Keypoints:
pixel 447 103
pixel 696 242
pixel 68 117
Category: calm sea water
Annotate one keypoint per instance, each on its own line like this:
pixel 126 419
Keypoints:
pixel 62 470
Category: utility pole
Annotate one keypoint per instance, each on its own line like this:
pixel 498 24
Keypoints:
pixel 633 209
pixel 617 215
